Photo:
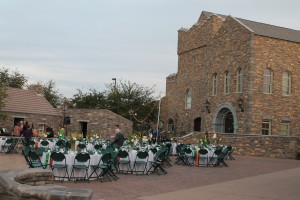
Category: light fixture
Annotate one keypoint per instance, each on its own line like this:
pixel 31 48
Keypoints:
pixel 207 104
pixel 240 102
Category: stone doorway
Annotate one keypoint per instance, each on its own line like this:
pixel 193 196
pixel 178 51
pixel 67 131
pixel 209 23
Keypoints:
pixel 197 124
pixel 83 126
pixel 225 120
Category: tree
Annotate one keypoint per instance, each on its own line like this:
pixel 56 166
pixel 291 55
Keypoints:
pixel 49 91
pixel 133 102
pixel 2 97
pixel 90 100
pixel 12 79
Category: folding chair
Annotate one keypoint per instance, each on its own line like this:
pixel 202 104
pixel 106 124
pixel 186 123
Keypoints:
pixel 157 164
pixel 180 155
pixel 7 145
pixel 98 147
pixel 25 153
pixel 81 162
pixel 41 150
pixel 140 159
pixel 105 165
pixel 60 144
pixel 229 155
pixel 45 144
pixel 214 157
pixel 203 158
pixel 221 159
pixel 81 147
pixel 35 160
pixel 189 157
pixel 60 162
pixel 124 160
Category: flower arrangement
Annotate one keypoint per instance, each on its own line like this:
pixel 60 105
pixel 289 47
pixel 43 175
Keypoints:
pixel 200 139
pixel 216 138
pixel 134 137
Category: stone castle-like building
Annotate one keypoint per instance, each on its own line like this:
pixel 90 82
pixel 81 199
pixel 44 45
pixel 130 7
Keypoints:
pixel 234 76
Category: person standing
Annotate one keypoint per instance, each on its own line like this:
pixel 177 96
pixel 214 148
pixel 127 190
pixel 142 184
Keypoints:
pixel 119 138
pixel 27 133
pixel 17 130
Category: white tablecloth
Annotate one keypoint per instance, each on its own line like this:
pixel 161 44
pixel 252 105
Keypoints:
pixel 132 156
pixel 94 161
pixel 2 142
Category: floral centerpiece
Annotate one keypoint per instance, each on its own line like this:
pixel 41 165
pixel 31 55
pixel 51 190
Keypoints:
pixel 216 138
pixel 200 140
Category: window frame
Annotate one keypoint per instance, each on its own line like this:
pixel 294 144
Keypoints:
pixel 269 128
pixel 239 81
pixel 268 81
pixel 188 99
pixel 226 82
pixel 288 80
pixel 285 123
pixel 44 128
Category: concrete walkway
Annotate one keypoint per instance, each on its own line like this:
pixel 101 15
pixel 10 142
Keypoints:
pixel 277 185
pixel 245 178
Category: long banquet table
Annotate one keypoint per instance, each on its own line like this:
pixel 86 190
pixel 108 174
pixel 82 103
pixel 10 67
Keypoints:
pixel 94 160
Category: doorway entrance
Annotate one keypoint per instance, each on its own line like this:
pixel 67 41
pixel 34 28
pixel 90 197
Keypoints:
pixel 224 120
pixel 17 120
pixel 83 127
pixel 197 124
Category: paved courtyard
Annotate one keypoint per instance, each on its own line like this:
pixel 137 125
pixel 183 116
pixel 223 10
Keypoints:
pixel 245 178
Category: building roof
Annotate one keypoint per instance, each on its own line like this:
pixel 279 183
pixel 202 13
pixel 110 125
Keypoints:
pixel 27 101
pixel 266 30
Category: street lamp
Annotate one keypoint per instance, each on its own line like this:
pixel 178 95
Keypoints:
pixel 115 79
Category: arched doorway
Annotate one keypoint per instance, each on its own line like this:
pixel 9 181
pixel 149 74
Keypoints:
pixel 197 124
pixel 225 120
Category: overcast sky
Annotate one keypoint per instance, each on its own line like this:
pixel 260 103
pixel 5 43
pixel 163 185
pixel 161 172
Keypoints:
pixel 85 43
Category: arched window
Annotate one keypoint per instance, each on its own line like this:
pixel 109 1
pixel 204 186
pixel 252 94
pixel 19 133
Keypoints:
pixel 268 81
pixel 239 80
pixel 226 82
pixel 214 84
pixel 286 84
pixel 170 125
pixel 188 99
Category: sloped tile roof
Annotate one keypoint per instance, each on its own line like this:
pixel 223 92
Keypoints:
pixel 27 101
pixel 266 30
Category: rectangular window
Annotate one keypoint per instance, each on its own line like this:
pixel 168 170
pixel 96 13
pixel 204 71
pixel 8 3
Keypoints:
pixel 266 127
pixel 285 128
pixel 42 128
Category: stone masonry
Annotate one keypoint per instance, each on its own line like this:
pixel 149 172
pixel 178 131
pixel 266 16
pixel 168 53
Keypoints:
pixel 282 147
pixel 217 44
pixel 97 120
pixel 33 184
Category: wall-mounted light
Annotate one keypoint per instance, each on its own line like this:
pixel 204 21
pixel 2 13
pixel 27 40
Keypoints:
pixel 207 105
pixel 240 102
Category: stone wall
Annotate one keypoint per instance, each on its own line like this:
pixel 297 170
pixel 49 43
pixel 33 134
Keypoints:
pixel 279 56
pixel 284 147
pixel 97 120
pixel 17 185
pixel 36 119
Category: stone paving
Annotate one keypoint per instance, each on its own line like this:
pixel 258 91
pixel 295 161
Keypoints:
pixel 178 178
